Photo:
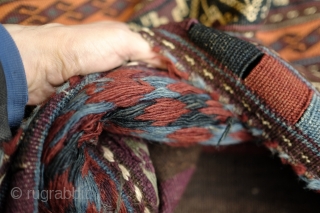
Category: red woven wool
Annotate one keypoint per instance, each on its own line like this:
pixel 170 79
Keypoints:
pixel 281 90
pixel 86 157
pixel 190 135
pixel 165 110
pixel 184 89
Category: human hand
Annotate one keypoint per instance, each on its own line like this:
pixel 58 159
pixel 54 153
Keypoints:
pixel 53 53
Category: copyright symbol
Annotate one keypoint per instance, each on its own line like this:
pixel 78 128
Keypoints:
pixel 16 193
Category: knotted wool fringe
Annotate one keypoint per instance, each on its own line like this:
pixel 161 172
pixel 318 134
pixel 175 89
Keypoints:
pixel 90 138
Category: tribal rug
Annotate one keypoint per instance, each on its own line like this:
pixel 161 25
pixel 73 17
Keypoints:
pixel 128 140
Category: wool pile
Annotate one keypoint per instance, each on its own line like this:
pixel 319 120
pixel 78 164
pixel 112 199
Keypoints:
pixel 71 142
pixel 74 147
pixel 102 142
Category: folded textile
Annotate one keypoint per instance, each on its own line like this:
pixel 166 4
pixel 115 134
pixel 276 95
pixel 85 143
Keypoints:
pixel 215 92
pixel 67 153
pixel 128 140
pixel 268 93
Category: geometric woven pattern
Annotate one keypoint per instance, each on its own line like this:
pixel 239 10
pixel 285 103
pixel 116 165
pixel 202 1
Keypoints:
pixel 222 86
pixel 85 136
pixel 65 12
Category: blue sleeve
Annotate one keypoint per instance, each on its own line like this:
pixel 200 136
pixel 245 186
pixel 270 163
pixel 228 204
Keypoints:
pixel 17 89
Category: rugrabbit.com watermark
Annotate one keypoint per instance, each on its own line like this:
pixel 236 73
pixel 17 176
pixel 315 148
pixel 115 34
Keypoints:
pixel 45 195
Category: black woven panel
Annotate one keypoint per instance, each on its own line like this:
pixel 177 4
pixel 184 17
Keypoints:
pixel 237 55
pixel 5 132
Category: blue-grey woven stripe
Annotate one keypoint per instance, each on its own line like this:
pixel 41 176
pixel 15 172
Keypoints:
pixel 310 121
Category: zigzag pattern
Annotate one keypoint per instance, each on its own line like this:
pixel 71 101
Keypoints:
pixel 132 100
pixel 206 97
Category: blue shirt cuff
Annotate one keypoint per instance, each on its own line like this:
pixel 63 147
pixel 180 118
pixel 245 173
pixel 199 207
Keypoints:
pixel 17 88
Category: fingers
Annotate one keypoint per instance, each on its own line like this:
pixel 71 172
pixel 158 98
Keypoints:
pixel 140 50
pixel 53 53
pixel 103 46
